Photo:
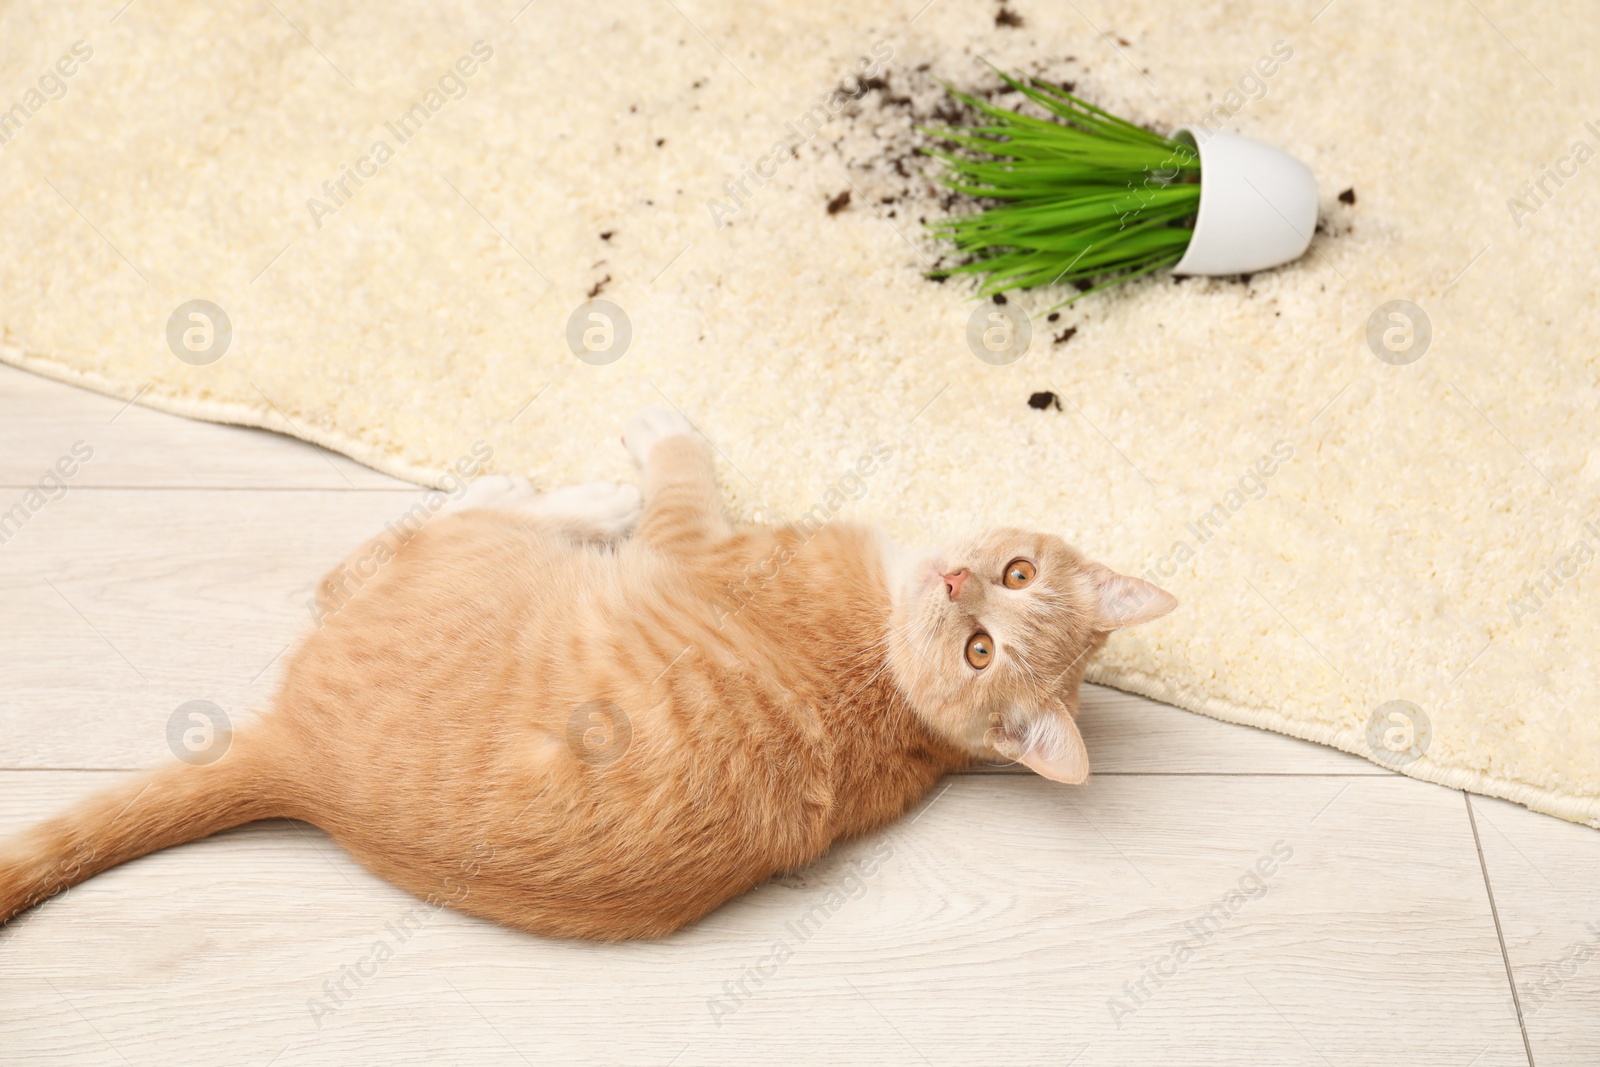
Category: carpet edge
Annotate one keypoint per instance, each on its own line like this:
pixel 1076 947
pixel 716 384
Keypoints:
pixel 1570 807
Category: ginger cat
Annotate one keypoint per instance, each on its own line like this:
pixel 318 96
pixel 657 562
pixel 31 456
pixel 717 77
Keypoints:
pixel 531 717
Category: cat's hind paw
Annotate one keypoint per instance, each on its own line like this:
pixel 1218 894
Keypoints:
pixel 649 428
pixel 507 492
pixel 600 511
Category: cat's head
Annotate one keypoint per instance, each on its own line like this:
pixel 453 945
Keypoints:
pixel 989 642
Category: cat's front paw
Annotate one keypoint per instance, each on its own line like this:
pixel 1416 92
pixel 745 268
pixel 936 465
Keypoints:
pixel 649 428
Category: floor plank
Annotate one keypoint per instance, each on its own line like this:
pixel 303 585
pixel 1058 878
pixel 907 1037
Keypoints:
pixel 41 420
pixel 1011 918
pixel 1545 874
pixel 137 601
pixel 1129 734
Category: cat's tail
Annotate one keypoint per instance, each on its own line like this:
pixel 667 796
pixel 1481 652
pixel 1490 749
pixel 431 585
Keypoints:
pixel 177 803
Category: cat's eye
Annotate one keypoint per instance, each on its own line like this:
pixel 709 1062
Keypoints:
pixel 980 650
pixel 1019 572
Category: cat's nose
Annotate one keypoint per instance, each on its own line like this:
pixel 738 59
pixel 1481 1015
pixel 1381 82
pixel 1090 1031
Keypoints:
pixel 955 580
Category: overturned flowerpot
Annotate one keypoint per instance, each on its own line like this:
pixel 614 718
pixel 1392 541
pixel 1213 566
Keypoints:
pixel 1258 205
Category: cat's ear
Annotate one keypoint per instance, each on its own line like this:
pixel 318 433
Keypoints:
pixel 1047 743
pixel 1125 601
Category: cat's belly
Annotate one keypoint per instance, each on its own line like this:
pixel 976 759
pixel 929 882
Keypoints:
pixel 571 742
pixel 635 858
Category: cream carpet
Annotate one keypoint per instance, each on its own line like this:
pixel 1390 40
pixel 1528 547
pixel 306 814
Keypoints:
pixel 1392 556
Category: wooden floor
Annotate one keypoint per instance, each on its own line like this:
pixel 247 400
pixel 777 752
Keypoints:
pixel 1215 895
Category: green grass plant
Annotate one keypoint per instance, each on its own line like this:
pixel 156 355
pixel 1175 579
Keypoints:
pixel 1080 197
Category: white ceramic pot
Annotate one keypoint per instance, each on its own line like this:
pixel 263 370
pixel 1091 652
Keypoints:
pixel 1258 205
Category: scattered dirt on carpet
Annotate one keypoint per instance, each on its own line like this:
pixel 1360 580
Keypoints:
pixel 878 137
